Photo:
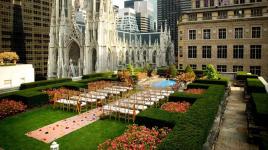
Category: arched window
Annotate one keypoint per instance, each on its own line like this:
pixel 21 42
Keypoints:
pixel 168 56
pixel 138 53
pixel 133 56
pixel 154 57
pixel 127 57
pixel 144 55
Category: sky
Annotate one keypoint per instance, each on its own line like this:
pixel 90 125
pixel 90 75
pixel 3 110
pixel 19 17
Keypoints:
pixel 119 3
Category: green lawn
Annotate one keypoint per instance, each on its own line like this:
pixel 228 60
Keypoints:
pixel 13 129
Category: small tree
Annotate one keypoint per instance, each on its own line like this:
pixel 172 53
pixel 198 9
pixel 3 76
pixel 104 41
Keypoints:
pixel 130 69
pixel 211 72
pixel 172 71
pixel 186 77
pixel 188 69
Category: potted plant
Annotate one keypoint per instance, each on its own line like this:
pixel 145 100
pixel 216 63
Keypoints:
pixel 9 57
pixel 1 58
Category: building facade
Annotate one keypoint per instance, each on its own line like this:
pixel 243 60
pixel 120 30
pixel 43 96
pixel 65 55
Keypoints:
pixel 126 20
pixel 231 35
pixel 97 46
pixel 24 26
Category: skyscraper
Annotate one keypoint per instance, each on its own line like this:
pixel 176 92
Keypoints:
pixel 126 20
pixel 24 27
pixel 168 12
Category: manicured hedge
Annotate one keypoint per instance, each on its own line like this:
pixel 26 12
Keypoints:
pixel 162 71
pixel 181 96
pixel 260 107
pixel 191 128
pixel 255 86
pixel 42 83
pixel 157 117
pixel 94 75
pixel 217 82
pixel 241 75
pixel 35 97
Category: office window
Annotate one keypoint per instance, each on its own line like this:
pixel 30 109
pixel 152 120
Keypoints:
pixel 192 34
pixel 221 68
pixel 181 51
pixel 197 3
pixel 180 66
pixel 239 13
pixel 222 51
pixel 193 66
pixel 253 1
pixel 192 17
pixel 238 51
pixel 206 3
pixel 256 12
pixel 256 32
pixel 255 70
pixel 255 51
pixel 206 34
pixel 239 1
pixel 222 33
pixel 207 16
pixel 238 33
pixel 222 14
pixel 237 68
pixel 206 51
pixel 204 67
pixel 191 51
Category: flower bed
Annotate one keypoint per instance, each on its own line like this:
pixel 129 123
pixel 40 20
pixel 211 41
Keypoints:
pixel 176 106
pixel 195 91
pixel 136 137
pixel 10 107
pixel 60 92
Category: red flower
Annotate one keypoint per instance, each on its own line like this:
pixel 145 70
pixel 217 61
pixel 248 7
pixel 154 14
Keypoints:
pixel 10 107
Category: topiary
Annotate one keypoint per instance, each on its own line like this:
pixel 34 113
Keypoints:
pixel 172 71
pixel 188 69
pixel 130 69
pixel 211 73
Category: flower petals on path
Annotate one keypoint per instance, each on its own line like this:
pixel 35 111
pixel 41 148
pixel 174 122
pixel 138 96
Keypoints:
pixel 61 128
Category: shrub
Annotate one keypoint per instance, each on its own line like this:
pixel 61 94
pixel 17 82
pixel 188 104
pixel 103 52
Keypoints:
pixel 195 91
pixel 136 137
pixel 211 72
pixel 156 117
pixel 260 104
pixel 217 82
pixel 130 69
pixel 162 71
pixel 94 75
pixel 186 77
pixel 255 86
pixel 42 83
pixel 191 128
pixel 241 75
pixel 176 106
pixel 172 71
pixel 10 107
pixel 188 69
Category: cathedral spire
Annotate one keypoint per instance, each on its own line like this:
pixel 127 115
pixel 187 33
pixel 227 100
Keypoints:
pixel 63 13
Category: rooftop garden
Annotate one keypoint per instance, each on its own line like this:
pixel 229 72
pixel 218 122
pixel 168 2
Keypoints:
pixel 164 119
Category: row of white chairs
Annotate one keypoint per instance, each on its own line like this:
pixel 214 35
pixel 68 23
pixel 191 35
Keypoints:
pixel 134 104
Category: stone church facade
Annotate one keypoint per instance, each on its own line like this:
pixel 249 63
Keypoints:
pixel 84 40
